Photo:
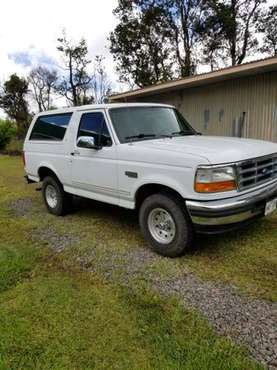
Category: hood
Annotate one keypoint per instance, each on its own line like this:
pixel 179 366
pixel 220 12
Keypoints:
pixel 215 149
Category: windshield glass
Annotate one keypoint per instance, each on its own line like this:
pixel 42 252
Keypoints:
pixel 144 123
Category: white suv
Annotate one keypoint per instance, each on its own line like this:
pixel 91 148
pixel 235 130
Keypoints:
pixel 147 157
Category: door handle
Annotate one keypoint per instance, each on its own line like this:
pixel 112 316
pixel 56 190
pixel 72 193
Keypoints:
pixel 75 152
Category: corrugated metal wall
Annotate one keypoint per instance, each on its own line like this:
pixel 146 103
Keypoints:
pixel 245 107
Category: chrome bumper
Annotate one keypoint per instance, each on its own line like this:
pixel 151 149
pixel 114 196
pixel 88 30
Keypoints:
pixel 233 210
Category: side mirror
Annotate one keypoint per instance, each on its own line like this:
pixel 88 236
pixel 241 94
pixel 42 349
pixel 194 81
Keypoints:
pixel 87 142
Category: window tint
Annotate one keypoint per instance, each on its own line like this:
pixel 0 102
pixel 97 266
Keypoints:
pixel 50 127
pixel 93 124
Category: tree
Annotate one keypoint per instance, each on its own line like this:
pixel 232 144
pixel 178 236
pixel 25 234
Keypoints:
pixel 101 85
pixel 140 44
pixel 13 100
pixel 43 82
pixel 156 40
pixel 268 27
pixel 7 132
pixel 229 29
pixel 186 18
pixel 75 84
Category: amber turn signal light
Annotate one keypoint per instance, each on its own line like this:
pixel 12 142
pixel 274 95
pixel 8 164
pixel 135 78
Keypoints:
pixel 215 187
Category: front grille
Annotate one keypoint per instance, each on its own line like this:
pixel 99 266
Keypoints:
pixel 256 171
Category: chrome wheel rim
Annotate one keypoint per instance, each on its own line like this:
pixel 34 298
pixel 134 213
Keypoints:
pixel 161 225
pixel 51 196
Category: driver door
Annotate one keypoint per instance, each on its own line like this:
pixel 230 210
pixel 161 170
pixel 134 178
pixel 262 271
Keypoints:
pixel 94 171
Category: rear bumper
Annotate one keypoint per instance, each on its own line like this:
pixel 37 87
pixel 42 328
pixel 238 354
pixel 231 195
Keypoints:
pixel 228 214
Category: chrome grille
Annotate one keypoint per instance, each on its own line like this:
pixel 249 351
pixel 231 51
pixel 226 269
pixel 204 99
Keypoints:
pixel 256 171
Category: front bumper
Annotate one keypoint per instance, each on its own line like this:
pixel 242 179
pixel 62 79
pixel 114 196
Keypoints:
pixel 227 214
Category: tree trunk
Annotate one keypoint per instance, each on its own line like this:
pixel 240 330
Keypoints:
pixel 233 41
pixel 186 68
pixel 73 87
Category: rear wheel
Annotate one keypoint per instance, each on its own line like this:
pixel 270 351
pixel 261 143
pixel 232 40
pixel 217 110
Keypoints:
pixel 55 198
pixel 165 225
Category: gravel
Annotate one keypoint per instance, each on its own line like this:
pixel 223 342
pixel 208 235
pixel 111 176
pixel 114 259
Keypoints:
pixel 126 266
pixel 21 206
pixel 55 240
pixel 48 235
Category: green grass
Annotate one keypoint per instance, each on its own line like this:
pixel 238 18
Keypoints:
pixel 72 321
pixel 55 316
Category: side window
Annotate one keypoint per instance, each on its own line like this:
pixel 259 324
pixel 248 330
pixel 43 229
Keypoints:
pixel 94 124
pixel 50 127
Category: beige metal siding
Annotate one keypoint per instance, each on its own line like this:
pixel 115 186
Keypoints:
pixel 217 109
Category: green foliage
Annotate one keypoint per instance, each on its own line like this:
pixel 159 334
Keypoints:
pixel 140 44
pixel 7 132
pixel 156 41
pixel 228 30
pixel 13 100
pixel 14 147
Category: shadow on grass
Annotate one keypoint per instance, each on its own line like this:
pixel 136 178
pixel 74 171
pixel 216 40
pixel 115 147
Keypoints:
pixel 87 207
pixel 203 244
pixel 223 240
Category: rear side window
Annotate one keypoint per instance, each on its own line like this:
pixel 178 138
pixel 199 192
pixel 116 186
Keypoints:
pixel 50 127
pixel 94 124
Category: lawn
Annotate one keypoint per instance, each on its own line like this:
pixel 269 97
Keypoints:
pixel 55 314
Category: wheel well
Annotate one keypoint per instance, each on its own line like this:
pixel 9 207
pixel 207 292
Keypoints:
pixel 146 190
pixel 45 171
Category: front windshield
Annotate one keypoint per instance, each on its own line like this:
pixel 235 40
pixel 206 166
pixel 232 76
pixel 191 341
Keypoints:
pixel 142 123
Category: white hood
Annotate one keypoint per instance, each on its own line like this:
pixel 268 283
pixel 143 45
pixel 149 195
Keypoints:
pixel 215 149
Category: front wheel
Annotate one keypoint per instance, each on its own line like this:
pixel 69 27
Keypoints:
pixel 165 225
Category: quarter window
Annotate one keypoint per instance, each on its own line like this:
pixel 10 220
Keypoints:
pixel 94 124
pixel 50 127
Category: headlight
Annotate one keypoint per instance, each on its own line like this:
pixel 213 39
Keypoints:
pixel 215 179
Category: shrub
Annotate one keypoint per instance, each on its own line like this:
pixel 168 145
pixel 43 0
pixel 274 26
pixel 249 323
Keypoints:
pixel 7 132
pixel 15 147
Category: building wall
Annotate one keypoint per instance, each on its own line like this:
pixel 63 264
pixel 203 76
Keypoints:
pixel 245 107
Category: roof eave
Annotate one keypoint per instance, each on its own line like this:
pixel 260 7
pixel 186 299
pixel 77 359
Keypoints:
pixel 243 70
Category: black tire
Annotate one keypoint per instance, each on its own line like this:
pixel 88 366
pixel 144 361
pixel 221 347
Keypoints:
pixel 183 234
pixel 64 200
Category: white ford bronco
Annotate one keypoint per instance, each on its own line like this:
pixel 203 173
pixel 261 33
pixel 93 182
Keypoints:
pixel 148 157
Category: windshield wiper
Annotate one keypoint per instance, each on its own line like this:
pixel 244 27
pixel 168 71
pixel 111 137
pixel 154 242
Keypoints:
pixel 139 136
pixel 165 135
pixel 183 133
